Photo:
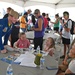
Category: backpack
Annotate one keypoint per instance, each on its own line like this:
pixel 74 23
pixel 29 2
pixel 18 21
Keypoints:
pixel 72 28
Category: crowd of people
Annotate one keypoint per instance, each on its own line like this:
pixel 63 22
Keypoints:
pixel 38 23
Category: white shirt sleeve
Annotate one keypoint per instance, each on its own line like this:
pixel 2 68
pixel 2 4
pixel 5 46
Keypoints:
pixel 72 66
pixel 69 24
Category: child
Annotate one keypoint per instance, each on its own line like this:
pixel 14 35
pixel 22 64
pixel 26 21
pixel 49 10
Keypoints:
pixel 68 67
pixel 66 61
pixel 49 46
pixel 22 42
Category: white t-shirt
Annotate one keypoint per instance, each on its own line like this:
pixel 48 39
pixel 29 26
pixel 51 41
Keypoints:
pixel 71 66
pixel 66 34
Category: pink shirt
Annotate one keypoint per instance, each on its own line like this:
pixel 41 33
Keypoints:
pixel 45 22
pixel 23 43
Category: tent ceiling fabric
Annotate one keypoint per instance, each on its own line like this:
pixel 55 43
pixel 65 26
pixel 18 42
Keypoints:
pixel 51 3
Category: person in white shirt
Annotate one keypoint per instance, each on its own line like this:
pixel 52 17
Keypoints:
pixel 66 32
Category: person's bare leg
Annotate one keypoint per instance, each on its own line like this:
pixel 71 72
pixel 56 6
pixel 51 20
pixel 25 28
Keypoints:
pixel 68 47
pixel 64 49
pixel 64 52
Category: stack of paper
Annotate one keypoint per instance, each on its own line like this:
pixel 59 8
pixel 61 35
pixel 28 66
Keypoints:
pixel 26 59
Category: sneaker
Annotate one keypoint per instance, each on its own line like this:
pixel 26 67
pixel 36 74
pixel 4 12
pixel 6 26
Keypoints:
pixel 62 56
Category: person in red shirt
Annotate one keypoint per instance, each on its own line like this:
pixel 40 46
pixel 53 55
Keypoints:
pixel 22 42
pixel 45 20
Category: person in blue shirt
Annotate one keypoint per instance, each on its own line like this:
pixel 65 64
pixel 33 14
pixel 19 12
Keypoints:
pixel 6 26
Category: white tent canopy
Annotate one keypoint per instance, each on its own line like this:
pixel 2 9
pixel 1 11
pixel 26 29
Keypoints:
pixel 48 6
pixel 51 3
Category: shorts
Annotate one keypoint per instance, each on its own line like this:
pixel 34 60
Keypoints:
pixel 56 28
pixel 65 41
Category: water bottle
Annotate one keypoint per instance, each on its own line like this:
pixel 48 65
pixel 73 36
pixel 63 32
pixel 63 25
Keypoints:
pixel 9 70
pixel 38 49
pixel 30 48
pixel 42 62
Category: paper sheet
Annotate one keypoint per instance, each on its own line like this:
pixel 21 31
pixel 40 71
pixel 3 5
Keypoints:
pixel 26 59
pixel 28 62
pixel 20 58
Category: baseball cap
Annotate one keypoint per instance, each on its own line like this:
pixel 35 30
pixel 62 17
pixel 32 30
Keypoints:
pixel 14 13
pixel 36 11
